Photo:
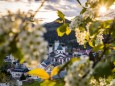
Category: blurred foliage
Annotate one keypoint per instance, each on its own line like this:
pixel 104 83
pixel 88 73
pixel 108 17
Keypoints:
pixel 4 77
pixel 22 36
pixel 35 83
pixel 91 27
pixel 58 82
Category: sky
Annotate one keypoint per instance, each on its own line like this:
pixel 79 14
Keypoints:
pixel 48 12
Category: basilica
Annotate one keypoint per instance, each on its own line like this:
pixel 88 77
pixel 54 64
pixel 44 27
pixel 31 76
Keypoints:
pixel 57 54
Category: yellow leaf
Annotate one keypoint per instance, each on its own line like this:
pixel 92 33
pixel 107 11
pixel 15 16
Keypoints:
pixel 60 33
pixel 75 59
pixel 55 71
pixel 68 31
pixel 22 60
pixel 40 73
pixel 113 48
pixel 87 36
pixel 91 44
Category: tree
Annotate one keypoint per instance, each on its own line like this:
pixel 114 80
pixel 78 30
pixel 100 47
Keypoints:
pixel 90 28
pixel 21 35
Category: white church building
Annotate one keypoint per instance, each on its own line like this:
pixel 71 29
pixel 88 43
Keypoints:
pixel 58 54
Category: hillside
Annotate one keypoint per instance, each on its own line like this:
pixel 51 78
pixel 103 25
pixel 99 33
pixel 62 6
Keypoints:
pixel 51 34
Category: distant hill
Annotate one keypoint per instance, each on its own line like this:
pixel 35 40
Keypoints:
pixel 54 25
pixel 51 34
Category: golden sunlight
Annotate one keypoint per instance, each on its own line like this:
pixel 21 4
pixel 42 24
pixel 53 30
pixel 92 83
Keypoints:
pixel 102 9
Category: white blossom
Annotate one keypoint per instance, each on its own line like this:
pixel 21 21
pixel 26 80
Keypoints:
pixel 112 83
pixel 99 37
pixel 76 72
pixel 78 20
pixel 100 82
pixel 33 44
pixel 81 36
pixel 28 36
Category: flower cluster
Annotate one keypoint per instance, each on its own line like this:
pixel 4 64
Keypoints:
pixel 76 22
pixel 32 44
pixel 112 83
pixel 81 36
pixel 99 38
pixel 76 73
pixel 100 82
pixel 21 32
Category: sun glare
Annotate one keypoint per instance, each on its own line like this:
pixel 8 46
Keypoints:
pixel 102 9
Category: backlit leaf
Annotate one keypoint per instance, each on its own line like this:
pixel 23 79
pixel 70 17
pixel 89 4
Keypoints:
pixel 59 21
pixel 55 71
pixel 98 47
pixel 68 31
pixel 62 30
pixel 22 60
pixel 83 10
pixel 40 73
pixel 91 43
pixel 59 32
pixel 61 15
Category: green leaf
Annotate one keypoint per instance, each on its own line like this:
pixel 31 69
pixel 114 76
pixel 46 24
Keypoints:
pixel 48 83
pixel 113 59
pixel 61 15
pixel 83 10
pixel 113 29
pixel 108 51
pixel 79 3
pixel 88 19
pixel 22 60
pixel 98 47
pixel 94 27
pixel 62 30
pixel 102 69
